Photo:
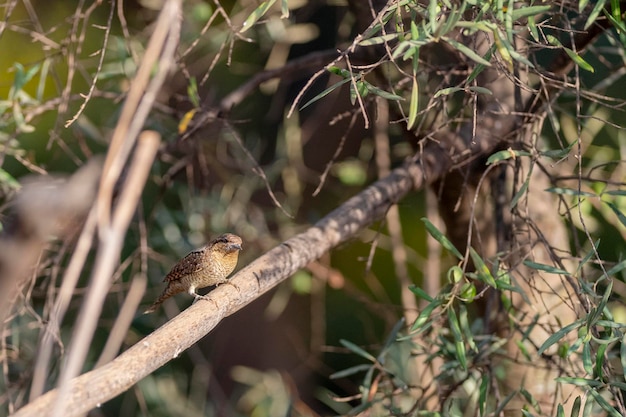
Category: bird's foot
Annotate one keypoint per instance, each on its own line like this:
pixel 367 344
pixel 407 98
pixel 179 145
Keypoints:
pixel 203 297
pixel 229 283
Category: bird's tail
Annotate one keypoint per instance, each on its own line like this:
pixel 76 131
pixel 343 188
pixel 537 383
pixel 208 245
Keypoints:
pixel 167 293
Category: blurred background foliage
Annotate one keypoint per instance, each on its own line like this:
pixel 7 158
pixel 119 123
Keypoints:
pixel 275 357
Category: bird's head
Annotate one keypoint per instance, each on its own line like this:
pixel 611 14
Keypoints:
pixel 227 243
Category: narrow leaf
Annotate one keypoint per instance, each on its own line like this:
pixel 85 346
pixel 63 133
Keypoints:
pixel 414 105
pixel 483 391
pixel 420 293
pixel 621 217
pixel 604 404
pixel 594 13
pixel 528 11
pixel 579 382
pixel 258 13
pixel 425 315
pixel 357 349
pixel 617 268
pixel 447 91
pixel 578 60
pixel 569 191
pixel 506 154
pixel 546 268
pixel 440 237
pixel 458 338
pixel 484 274
pixel 467 51
pixel 576 407
pixel 325 93
pixel 560 334
pixel 350 371
pixel 378 40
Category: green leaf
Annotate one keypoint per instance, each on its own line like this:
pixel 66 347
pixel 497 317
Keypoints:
pixel 7 179
pixel 579 382
pixel 447 91
pixel 578 60
pixel 414 105
pixel 617 268
pixel 528 11
pixel 441 238
pixel 529 397
pixel 425 314
pixel 543 267
pixel 604 404
pixel 483 391
pixel 569 191
pixel 420 293
pixel 455 274
pixel 465 327
pixel 558 153
pixel 358 350
pixel 467 51
pixel 600 360
pixel 340 71
pixel 480 90
pixel 458 338
pixel 576 407
pixel 358 88
pixel 378 40
pixel 506 154
pixel 484 274
pixel 594 13
pixel 532 27
pixel 558 335
pixel 381 93
pixel 415 34
pixel 522 191
pixel 325 93
pixel 192 92
pixel 587 362
pixel 479 68
pixel 522 347
pixel 258 13
pixel 621 217
pixel 504 48
pixel 616 192
pixel 504 403
pixel 21 78
pixel 350 371
pixel 618 384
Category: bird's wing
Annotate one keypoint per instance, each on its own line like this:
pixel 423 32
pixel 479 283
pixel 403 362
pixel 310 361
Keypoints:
pixel 188 265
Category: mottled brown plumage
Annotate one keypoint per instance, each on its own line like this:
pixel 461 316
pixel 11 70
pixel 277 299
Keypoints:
pixel 207 266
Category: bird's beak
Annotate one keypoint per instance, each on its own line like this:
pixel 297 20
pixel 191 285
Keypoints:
pixel 235 246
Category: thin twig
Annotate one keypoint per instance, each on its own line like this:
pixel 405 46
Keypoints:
pixel 257 169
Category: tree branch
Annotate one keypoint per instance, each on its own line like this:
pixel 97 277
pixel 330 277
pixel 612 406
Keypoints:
pixel 166 343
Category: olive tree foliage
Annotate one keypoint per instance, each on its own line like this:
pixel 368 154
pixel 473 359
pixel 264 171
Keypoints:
pixel 506 114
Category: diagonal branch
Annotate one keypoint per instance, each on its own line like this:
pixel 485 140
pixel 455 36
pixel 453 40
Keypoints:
pixel 97 386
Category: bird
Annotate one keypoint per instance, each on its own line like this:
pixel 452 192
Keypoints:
pixel 204 267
